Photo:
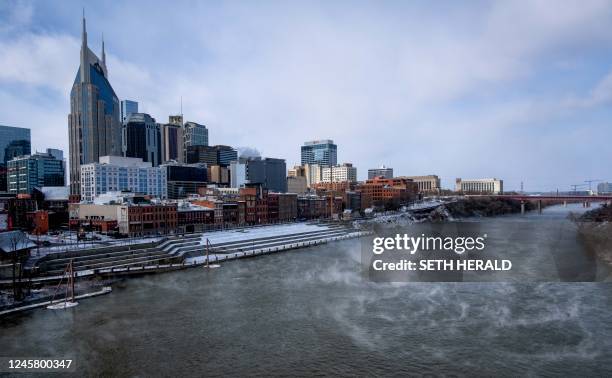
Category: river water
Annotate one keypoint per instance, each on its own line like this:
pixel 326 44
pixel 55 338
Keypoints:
pixel 311 312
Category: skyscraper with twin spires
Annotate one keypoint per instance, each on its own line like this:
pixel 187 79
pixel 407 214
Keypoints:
pixel 93 123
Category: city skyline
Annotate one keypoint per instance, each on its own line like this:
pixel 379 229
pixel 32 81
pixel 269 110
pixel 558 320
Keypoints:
pixel 527 103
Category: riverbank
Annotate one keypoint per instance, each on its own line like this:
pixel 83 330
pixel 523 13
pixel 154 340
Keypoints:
pixel 600 214
pixel 294 313
pixel 595 232
pixel 486 207
pixel 172 254
pixel 466 207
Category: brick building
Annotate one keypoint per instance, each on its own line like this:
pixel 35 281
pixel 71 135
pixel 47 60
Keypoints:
pixel 383 192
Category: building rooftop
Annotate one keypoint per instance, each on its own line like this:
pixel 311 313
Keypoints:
pixel 124 161
pixel 321 141
pixel 11 241
pixel 55 193
pixel 188 206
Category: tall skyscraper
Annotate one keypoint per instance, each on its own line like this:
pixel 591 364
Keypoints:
pixel 94 123
pixel 320 152
pixel 128 107
pixel 172 142
pixel 141 138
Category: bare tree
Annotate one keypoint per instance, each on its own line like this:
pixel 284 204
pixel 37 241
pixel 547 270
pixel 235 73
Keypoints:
pixel 16 240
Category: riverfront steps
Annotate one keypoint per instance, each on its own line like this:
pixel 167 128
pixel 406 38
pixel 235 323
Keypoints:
pixel 173 252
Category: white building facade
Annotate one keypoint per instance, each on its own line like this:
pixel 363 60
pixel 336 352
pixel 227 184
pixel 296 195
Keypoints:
pixel 486 185
pixel 427 184
pixel 339 173
pixel 238 175
pixel 115 173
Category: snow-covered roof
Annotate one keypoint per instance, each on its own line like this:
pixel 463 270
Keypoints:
pixel 55 193
pixel 188 206
pixel 11 241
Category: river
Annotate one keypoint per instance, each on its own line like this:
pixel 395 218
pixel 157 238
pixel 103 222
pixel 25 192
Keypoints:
pixel 311 312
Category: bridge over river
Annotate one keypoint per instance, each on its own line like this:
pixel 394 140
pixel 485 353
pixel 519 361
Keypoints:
pixel 565 199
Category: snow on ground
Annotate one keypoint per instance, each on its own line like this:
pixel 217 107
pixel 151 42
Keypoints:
pixel 71 245
pixel 259 232
pixel 424 204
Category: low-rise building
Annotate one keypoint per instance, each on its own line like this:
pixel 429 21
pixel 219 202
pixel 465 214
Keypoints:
pixel 384 172
pixel 129 214
pixel 311 207
pixel 147 219
pixel 18 209
pixel 427 184
pixel 479 186
pixel 282 207
pixel 380 192
pixel 194 218
pixel 296 184
pixel 53 200
pixel 352 200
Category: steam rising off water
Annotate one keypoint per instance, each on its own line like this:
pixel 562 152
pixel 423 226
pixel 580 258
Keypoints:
pixel 311 312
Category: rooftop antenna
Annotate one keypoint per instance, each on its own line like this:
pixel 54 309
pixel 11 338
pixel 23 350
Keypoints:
pixel 181 106
pixel 103 53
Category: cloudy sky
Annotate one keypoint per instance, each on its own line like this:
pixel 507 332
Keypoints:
pixel 519 90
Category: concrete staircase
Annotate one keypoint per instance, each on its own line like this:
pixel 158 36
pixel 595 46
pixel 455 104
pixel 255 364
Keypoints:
pixel 111 257
pixel 174 249
pixel 193 246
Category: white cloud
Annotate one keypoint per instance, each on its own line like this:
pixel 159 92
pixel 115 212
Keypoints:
pixel 384 83
pixel 39 60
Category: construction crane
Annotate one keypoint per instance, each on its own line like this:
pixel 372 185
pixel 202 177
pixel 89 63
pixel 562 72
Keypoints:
pixel 592 181
pixel 575 186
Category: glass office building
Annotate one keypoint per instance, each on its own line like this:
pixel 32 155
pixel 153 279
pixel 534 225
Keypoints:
pixel 320 152
pixel 269 172
pixel 194 134
pixel 28 172
pixel 94 122
pixel 141 138
pixel 14 141
pixel 128 107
